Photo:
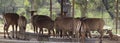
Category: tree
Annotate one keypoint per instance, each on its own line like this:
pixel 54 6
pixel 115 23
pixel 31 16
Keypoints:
pixel 66 6
pixel 83 6
pixel 109 8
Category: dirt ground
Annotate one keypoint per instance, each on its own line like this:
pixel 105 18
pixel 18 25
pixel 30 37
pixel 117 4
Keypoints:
pixel 55 40
pixel 51 40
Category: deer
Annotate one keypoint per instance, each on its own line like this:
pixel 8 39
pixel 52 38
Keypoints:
pixel 40 22
pixel 67 24
pixel 10 19
pixel 59 32
pixel 112 36
pixel 22 22
pixel 33 23
pixel 71 25
pixel 94 24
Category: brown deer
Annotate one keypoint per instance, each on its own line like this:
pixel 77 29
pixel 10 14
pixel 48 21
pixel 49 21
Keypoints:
pixel 10 19
pixel 94 24
pixel 35 22
pixel 71 25
pixel 22 22
pixel 111 35
pixel 42 21
pixel 67 24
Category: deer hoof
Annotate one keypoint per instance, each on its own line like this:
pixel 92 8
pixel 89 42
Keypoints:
pixel 24 39
pixel 17 38
pixel 4 36
pixel 9 37
pixel 12 36
pixel 100 41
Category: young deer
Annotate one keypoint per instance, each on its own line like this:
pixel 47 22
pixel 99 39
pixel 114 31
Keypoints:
pixel 22 22
pixel 111 35
pixel 10 19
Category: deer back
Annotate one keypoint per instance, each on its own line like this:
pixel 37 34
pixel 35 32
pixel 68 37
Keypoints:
pixel 42 21
pixel 94 23
pixel 11 18
pixel 67 23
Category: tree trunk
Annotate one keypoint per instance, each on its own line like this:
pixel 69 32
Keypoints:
pixel 83 8
pixel 83 11
pixel 106 4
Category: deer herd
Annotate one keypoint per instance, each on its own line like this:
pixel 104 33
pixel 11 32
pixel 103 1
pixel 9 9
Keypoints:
pixel 69 26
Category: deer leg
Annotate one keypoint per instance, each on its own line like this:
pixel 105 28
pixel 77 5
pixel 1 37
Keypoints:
pixel 39 33
pixel 71 33
pixel 57 32
pixel 61 33
pixel 24 30
pixel 68 34
pixel 24 36
pixel 90 35
pixel 77 35
pixel 64 33
pixel 5 25
pixel 13 31
pixel 86 34
pixel 83 37
pixel 53 32
pixel 101 33
pixel 16 31
pixel 4 34
pixel 34 29
pixel 41 30
pixel 20 32
pixel 49 32
pixel 7 31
